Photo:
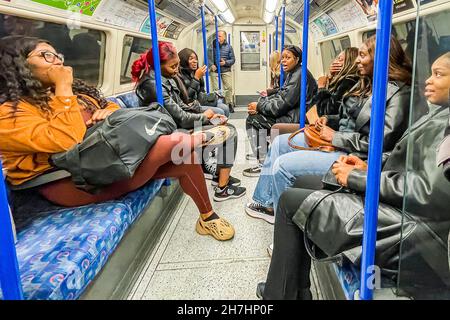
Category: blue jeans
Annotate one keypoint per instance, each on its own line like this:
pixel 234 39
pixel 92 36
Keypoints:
pixel 216 110
pixel 283 165
pixel 224 107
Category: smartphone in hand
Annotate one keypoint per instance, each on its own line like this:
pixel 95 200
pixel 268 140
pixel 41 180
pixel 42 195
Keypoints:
pixel 215 121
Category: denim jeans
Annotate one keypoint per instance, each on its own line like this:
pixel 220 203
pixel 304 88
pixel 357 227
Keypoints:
pixel 224 107
pixel 216 110
pixel 283 165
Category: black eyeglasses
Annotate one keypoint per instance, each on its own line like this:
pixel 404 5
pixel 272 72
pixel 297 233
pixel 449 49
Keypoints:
pixel 49 56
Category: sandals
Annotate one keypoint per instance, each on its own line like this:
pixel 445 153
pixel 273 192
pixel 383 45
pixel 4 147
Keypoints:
pixel 220 229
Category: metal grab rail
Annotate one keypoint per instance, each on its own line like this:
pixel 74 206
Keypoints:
pixel 380 79
pixel 205 46
pixel 156 61
pixel 219 73
pixel 283 31
pixel 304 81
pixel 9 267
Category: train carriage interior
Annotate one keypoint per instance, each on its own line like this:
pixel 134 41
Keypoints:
pixel 147 243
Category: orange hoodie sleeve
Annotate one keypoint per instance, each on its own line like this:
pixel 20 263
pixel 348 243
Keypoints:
pixel 30 130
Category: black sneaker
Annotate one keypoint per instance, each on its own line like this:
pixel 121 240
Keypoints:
pixel 232 181
pixel 231 107
pixel 229 192
pixel 260 290
pixel 252 172
pixel 256 210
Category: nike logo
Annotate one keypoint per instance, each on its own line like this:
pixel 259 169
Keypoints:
pixel 152 131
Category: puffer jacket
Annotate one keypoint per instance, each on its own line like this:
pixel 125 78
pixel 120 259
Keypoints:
pixel 396 121
pixel 337 221
pixel 193 86
pixel 146 92
pixel 328 102
pixel 284 104
pixel 226 53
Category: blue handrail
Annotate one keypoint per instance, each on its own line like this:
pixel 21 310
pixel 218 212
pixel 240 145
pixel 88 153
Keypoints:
pixel 219 73
pixel 229 39
pixel 9 268
pixel 276 32
pixel 304 82
pixel 283 31
pixel 205 46
pixel 156 61
pixel 380 77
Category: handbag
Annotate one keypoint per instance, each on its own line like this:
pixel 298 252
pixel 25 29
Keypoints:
pixel 208 99
pixel 312 139
pixel 114 148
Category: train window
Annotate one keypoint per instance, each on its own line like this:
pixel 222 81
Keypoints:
pixel 250 51
pixel 133 47
pixel 330 49
pixel 83 48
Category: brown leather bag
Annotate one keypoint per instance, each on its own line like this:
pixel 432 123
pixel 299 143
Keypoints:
pixel 312 139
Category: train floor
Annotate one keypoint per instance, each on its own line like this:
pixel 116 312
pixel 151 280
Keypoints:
pixel 186 265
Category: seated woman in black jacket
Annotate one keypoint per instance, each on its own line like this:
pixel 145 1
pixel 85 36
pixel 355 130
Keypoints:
pixel 349 131
pixel 341 78
pixel 192 77
pixel 283 106
pixel 143 73
pixel 336 223
pixel 343 75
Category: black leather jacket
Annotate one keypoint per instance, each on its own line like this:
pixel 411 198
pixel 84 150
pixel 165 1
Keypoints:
pixel 427 196
pixel 284 104
pixel 146 92
pixel 396 121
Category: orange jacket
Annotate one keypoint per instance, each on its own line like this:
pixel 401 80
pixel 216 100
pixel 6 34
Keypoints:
pixel 29 136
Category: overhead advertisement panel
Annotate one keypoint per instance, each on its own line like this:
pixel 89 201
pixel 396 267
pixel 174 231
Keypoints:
pixel 83 7
pixel 402 5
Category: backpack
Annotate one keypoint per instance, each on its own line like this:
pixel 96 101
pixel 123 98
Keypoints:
pixel 112 150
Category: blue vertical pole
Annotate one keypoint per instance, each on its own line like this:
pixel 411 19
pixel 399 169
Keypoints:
pixel 156 61
pixel 219 74
pixel 205 47
pixel 9 267
pixel 229 39
pixel 381 67
pixel 304 82
pixel 276 32
pixel 283 31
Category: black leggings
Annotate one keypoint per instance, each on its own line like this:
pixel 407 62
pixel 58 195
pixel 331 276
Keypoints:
pixel 258 132
pixel 288 277
pixel 225 153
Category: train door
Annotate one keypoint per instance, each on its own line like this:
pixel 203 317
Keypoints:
pixel 250 73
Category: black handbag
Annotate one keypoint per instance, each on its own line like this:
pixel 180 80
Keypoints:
pixel 113 149
pixel 208 99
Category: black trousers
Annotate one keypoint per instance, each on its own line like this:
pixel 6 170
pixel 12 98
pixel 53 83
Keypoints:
pixel 258 131
pixel 288 277
pixel 225 154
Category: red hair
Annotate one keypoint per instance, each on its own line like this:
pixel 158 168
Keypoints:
pixel 145 63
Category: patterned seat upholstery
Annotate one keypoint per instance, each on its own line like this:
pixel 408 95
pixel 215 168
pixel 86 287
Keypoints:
pixel 63 250
pixel 128 100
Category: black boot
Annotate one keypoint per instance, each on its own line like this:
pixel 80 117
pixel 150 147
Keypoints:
pixel 231 107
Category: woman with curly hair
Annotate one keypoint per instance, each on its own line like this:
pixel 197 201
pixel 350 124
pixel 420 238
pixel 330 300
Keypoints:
pixel 44 110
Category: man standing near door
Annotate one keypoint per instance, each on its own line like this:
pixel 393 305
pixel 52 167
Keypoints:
pixel 227 60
